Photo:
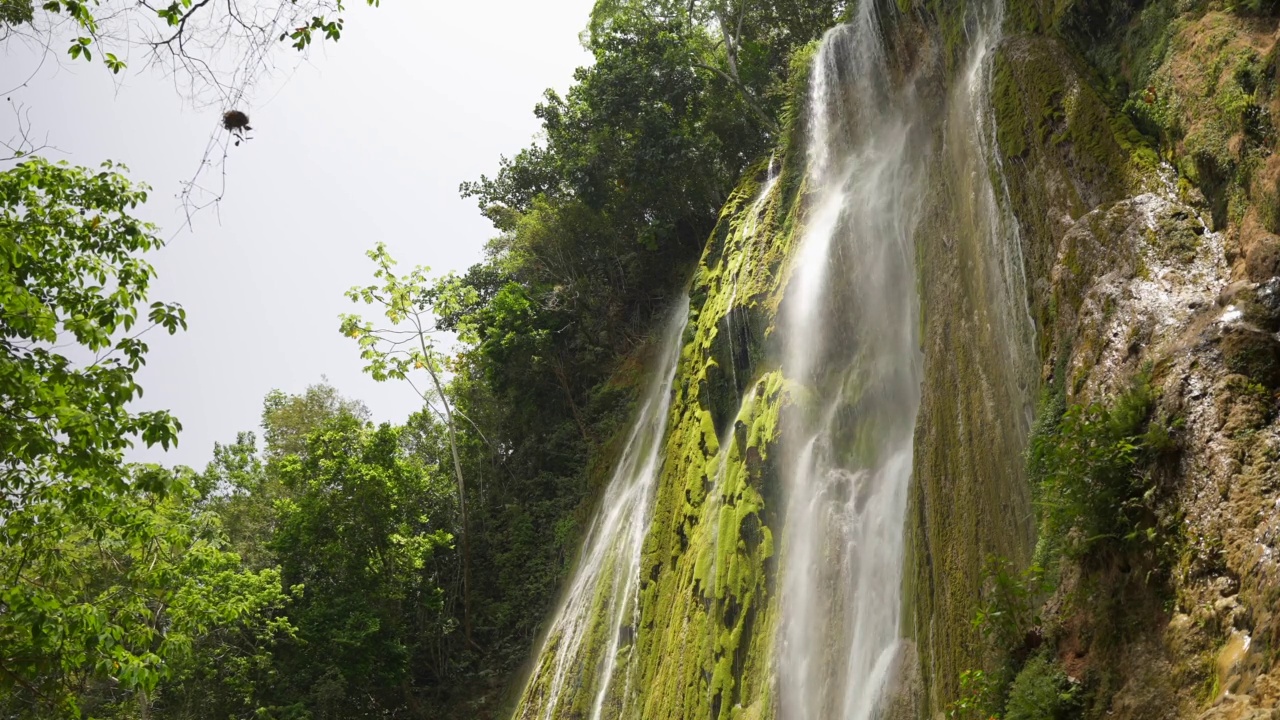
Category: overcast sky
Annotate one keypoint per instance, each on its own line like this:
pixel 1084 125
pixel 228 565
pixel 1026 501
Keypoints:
pixel 366 142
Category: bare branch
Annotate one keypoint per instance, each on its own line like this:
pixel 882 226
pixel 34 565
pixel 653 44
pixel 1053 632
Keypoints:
pixel 178 34
pixel 22 144
pixel 216 53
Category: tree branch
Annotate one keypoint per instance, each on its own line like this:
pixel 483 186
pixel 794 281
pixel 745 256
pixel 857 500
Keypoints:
pixel 755 108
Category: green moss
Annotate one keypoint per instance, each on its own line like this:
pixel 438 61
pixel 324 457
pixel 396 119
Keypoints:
pixel 1252 353
pixel 707 598
pixel 1206 98
pixel 950 19
pixel 1058 109
pixel 1266 196
pixel 1261 305
pixel 1178 236
pixel 1012 126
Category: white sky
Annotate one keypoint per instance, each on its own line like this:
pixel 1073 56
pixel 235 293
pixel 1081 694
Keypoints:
pixel 366 142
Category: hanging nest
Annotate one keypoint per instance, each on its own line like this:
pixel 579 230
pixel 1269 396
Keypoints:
pixel 235 121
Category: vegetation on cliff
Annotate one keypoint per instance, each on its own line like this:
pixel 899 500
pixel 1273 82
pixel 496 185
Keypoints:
pixel 1147 243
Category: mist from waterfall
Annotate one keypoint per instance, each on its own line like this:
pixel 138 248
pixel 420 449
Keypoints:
pixel 588 636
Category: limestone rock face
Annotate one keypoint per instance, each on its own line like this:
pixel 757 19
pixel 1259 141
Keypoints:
pixel 1141 265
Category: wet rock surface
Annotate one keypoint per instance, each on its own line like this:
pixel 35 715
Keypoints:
pixel 1133 292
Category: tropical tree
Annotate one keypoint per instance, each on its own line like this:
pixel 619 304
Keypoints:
pixel 113 602
pixel 405 346
pixel 356 532
pixel 73 314
pixel 110 573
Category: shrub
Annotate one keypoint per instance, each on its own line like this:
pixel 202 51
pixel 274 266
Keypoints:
pixel 1092 469
pixel 1010 610
pixel 977 692
pixel 1043 692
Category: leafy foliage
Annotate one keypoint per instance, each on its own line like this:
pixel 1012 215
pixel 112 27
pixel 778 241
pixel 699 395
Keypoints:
pixel 1092 468
pixel 106 601
pixel 16 12
pixel 287 420
pixel 976 698
pixel 71 285
pixel 1011 603
pixel 1095 478
pixel 1043 692
pixel 356 535
pixel 112 575
pixel 396 353
pixel 242 493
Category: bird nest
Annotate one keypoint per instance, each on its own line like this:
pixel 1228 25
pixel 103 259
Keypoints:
pixel 234 120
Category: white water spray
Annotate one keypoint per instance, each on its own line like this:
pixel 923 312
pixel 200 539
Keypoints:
pixel 851 329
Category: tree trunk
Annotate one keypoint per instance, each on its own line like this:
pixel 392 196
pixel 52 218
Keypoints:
pixel 568 394
pixel 462 492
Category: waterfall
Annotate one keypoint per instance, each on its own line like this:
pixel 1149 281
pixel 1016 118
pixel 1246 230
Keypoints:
pixel 885 149
pixel 851 323
pixel 983 218
pixel 592 630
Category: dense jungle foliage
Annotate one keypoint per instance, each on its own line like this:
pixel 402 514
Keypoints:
pixel 340 569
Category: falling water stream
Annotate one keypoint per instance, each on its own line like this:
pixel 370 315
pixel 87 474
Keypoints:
pixel 850 320
pixel 851 323
pixel 580 653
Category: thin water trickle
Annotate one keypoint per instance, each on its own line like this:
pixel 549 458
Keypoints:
pixel 984 214
pixel 586 640
pixel 742 258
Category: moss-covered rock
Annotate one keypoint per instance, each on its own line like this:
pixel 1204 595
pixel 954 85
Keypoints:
pixel 709 604
pixel 1262 259
pixel 1253 353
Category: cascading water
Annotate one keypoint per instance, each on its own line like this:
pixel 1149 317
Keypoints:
pixel 851 328
pixel 586 642
pixel 850 324
pixel 982 218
